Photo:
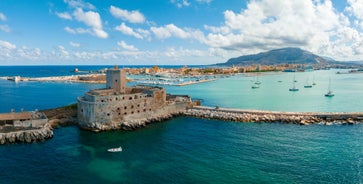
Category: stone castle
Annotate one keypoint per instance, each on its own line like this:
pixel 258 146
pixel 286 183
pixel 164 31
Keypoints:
pixel 120 107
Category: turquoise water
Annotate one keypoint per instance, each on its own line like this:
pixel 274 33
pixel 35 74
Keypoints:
pixel 189 150
pixel 236 92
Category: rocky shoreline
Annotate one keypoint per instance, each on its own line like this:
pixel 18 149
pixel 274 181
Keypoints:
pixel 27 136
pixel 300 118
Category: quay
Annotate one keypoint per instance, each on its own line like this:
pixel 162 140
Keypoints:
pixel 302 118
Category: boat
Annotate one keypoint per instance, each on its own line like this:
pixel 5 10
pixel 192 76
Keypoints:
pixel 314 81
pixel 255 86
pixel 294 87
pixel 307 85
pixel 330 92
pixel 118 149
pixel 257 81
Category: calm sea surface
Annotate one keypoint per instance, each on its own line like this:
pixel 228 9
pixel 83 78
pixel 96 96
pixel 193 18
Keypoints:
pixel 189 150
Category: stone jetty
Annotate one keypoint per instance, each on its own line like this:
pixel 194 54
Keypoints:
pixel 27 136
pixel 302 118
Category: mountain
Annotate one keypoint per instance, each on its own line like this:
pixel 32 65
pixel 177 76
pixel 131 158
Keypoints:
pixel 279 56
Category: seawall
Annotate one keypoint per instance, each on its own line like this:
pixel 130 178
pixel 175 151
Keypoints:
pixel 27 136
pixel 302 118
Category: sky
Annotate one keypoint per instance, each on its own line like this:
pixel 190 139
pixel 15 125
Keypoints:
pixel 174 32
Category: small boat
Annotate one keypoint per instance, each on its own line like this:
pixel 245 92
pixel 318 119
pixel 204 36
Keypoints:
pixel 257 81
pixel 314 81
pixel 119 149
pixel 255 86
pixel 308 85
pixel 294 87
pixel 330 92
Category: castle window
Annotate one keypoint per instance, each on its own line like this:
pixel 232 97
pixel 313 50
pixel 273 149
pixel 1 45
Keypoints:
pixel 144 110
pixel 123 98
pixel 138 105
pixel 132 106
pixel 116 98
pixel 125 113
pixel 138 111
pixel 118 108
pixel 132 112
pixel 102 100
pixel 119 114
pixel 116 80
pixel 130 98
pixel 108 114
pixel 81 110
pixel 125 107
pixel 135 96
pixel 149 109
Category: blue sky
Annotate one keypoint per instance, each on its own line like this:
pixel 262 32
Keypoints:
pixel 174 32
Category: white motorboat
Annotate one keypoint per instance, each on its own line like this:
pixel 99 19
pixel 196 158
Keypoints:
pixel 119 149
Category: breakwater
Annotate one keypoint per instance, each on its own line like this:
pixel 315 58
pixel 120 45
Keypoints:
pixel 27 136
pixel 302 118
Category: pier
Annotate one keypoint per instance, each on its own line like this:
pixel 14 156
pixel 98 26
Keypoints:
pixel 302 118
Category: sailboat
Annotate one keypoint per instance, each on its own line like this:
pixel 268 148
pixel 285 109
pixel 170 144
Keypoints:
pixel 294 87
pixel 314 81
pixel 307 85
pixel 330 92
pixel 257 81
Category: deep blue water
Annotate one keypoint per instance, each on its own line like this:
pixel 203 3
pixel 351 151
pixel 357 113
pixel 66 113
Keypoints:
pixel 190 150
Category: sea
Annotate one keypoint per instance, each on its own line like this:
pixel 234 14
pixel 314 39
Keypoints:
pixel 191 150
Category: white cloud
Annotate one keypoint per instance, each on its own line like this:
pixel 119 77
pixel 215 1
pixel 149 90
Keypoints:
pixel 64 15
pixel 91 19
pixel 169 31
pixel 180 3
pixel 356 8
pixel 268 24
pixel 130 16
pixel 128 31
pixel 204 1
pixel 5 28
pixel 74 44
pixel 7 45
pixel 79 4
pixel 2 17
pixel 126 46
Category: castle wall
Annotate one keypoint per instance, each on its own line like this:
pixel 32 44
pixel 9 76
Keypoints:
pixel 108 109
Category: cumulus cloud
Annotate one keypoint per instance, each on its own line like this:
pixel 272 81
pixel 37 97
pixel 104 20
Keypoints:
pixel 268 24
pixel 64 15
pixel 169 31
pixel 7 45
pixel 91 19
pixel 123 28
pixel 2 17
pixel 356 8
pixel 79 4
pixel 74 44
pixel 180 3
pixel 130 16
pixel 124 45
pixel 204 1
pixel 5 28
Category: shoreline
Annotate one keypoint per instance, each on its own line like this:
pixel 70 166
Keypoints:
pixel 67 116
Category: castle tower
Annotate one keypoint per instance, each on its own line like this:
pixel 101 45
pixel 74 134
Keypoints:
pixel 116 79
